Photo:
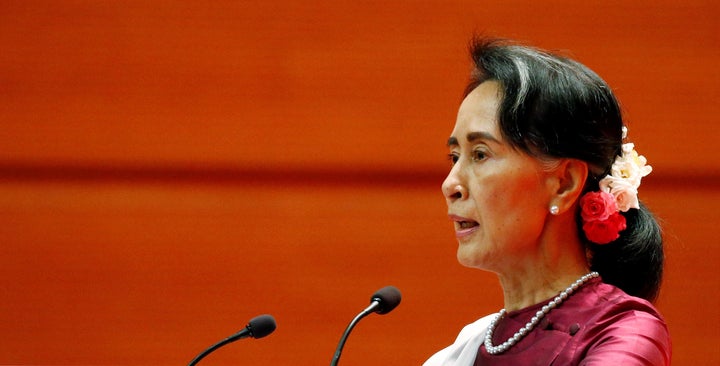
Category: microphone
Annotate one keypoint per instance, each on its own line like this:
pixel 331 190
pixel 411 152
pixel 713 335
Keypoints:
pixel 258 327
pixel 382 302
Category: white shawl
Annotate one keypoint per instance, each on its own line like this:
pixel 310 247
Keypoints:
pixel 465 348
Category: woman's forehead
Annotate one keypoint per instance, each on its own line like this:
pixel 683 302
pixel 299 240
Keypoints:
pixel 477 115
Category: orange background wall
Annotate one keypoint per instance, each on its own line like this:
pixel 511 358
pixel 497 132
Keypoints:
pixel 170 169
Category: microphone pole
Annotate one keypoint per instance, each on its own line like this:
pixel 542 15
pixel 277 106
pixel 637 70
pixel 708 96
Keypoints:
pixel 258 327
pixel 382 302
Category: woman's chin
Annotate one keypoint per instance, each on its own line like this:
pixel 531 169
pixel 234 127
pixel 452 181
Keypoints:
pixel 468 258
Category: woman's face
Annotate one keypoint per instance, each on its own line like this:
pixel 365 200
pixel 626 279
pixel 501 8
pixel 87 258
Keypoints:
pixel 497 196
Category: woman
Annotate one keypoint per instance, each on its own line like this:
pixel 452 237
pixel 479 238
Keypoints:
pixel 543 192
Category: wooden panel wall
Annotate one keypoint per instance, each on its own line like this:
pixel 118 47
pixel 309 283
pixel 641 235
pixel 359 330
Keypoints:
pixel 169 170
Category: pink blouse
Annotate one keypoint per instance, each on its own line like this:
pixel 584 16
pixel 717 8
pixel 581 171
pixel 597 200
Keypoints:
pixel 598 325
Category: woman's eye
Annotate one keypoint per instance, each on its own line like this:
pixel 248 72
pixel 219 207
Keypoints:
pixel 453 158
pixel 478 155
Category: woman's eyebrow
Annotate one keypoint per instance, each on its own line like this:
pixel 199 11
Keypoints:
pixel 473 137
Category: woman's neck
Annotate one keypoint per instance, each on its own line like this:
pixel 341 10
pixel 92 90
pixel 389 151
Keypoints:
pixel 523 291
pixel 543 276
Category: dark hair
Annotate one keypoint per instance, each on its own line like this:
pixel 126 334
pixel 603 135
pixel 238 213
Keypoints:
pixel 555 107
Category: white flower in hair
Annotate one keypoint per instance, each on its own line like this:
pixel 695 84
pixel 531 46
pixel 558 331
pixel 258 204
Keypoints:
pixel 623 190
pixel 625 175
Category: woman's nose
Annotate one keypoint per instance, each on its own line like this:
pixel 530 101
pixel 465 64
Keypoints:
pixel 452 187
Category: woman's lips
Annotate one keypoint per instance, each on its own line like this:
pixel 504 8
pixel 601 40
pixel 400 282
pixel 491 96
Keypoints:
pixel 464 227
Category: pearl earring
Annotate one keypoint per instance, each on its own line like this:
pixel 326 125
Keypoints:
pixel 554 209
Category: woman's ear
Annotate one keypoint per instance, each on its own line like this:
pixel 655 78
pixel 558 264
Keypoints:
pixel 569 178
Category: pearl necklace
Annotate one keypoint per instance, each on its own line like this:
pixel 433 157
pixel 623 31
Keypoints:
pixel 494 350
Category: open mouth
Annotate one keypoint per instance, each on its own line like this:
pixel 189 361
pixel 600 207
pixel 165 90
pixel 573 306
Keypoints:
pixel 463 225
pixel 464 228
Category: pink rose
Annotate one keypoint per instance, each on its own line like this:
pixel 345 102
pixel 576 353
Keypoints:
pixel 605 231
pixel 597 206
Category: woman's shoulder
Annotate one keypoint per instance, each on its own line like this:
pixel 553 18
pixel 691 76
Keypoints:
pixel 621 328
pixel 601 306
pixel 609 300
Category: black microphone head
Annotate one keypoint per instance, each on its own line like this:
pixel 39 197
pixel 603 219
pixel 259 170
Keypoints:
pixel 388 298
pixel 261 326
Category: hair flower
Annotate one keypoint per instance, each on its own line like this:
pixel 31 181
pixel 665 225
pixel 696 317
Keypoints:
pixel 605 231
pixel 600 211
pixel 597 206
pixel 624 179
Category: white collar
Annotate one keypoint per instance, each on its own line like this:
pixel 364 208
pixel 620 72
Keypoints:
pixel 464 351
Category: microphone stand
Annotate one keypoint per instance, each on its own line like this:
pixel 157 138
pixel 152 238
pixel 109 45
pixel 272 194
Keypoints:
pixel 242 334
pixel 370 309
